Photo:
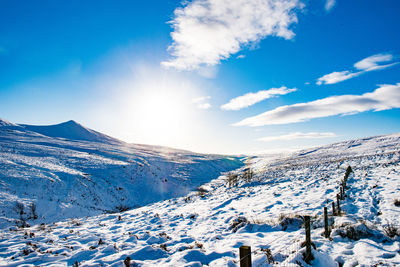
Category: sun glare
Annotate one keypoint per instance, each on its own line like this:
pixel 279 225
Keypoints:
pixel 162 112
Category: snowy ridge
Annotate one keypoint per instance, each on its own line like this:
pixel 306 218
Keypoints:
pixel 207 228
pixel 5 123
pixel 71 130
pixel 89 173
pixel 385 144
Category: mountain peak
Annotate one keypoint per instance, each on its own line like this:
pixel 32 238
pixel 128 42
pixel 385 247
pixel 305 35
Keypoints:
pixel 71 130
pixel 71 122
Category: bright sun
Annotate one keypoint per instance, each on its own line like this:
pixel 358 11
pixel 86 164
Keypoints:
pixel 162 113
pixel 160 110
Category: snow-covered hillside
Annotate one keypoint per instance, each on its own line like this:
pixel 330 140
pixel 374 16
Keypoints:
pixel 207 227
pixel 68 171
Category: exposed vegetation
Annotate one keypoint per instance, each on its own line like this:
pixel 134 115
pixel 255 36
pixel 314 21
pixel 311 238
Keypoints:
pixel 232 179
pixel 238 222
pixel 391 230
pixel 248 175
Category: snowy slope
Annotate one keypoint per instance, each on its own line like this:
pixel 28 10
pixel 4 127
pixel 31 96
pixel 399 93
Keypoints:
pixel 207 228
pixel 5 123
pixel 69 171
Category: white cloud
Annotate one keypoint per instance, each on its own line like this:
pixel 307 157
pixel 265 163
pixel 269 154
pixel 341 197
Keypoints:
pixel 297 135
pixel 201 99
pixel 204 105
pixel 370 63
pixel 383 98
pixel 208 72
pixel 249 99
pixel 337 76
pixel 367 64
pixel 329 4
pixel 202 102
pixel 208 31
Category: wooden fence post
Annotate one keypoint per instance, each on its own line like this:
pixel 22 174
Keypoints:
pixel 333 208
pixel 341 193
pixel 127 262
pixel 307 223
pixel 245 256
pixel 326 222
pixel 338 204
pixel 344 191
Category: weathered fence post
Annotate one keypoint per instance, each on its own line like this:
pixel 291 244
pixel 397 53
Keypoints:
pixel 307 223
pixel 333 208
pixel 344 191
pixel 326 222
pixel 245 256
pixel 127 262
pixel 338 204
pixel 341 193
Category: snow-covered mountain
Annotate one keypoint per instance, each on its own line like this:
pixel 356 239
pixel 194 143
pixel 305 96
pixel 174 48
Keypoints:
pixel 71 130
pixel 263 210
pixel 67 170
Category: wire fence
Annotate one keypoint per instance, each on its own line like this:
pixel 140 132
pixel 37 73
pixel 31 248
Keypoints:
pixel 292 251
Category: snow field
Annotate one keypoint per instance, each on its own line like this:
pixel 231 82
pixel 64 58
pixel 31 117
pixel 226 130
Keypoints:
pixel 197 228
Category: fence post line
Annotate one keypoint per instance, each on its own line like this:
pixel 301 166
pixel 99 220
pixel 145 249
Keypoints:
pixel 341 193
pixel 307 223
pixel 338 204
pixel 333 208
pixel 326 222
pixel 245 256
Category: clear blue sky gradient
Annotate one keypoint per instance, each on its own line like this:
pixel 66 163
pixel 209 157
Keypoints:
pixel 61 60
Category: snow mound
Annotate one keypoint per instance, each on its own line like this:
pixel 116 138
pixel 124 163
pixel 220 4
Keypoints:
pixel 71 130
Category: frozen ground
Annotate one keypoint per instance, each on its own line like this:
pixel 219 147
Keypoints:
pixel 207 227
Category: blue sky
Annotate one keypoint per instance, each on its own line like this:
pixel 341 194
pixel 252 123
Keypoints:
pixel 208 76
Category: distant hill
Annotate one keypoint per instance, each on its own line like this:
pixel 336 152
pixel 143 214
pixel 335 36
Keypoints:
pixel 71 130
